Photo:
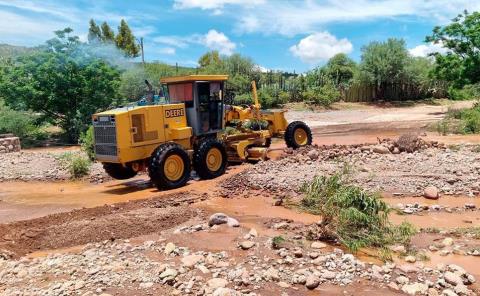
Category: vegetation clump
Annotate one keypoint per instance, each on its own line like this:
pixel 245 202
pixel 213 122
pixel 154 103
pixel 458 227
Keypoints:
pixel 351 215
pixel 77 164
pixel 466 121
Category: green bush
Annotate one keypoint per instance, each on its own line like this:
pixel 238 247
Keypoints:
pixel 77 165
pixel 87 143
pixel 468 92
pixel 354 217
pixel 322 95
pixel 268 98
pixel 22 124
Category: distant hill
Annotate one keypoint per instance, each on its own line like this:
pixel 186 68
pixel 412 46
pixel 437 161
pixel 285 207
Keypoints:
pixel 9 51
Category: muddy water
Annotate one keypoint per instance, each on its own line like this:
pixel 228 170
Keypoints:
pixel 437 219
pixel 254 211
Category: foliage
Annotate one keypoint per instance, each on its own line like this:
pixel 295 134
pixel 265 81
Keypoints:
pixel 132 81
pixel 209 58
pixel 107 33
pixel 466 121
pixel 94 32
pixel 77 164
pixel 64 82
pixel 277 241
pixel 461 64
pixel 22 124
pixel 468 92
pixel 324 95
pixel 353 216
pixel 255 124
pixel 126 41
pixel 87 142
pixel 384 62
pixel 341 70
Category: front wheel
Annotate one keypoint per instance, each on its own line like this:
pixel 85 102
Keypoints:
pixel 169 166
pixel 210 159
pixel 297 135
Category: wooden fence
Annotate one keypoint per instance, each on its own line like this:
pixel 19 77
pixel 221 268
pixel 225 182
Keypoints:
pixel 391 92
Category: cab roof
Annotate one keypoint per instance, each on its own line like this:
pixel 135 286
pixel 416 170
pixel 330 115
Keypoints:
pixel 191 78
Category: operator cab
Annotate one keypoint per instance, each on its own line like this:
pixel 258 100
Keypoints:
pixel 203 98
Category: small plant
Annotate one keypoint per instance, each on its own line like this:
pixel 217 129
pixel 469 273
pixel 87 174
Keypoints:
pixel 77 165
pixel 87 143
pixel 351 215
pixel 277 242
pixel 255 124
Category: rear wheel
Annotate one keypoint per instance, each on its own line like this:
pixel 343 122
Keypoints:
pixel 118 171
pixel 169 166
pixel 210 159
pixel 298 134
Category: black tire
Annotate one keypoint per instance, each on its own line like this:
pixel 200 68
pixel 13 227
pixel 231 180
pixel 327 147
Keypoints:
pixel 156 167
pixel 290 134
pixel 118 171
pixel 200 159
pixel 268 142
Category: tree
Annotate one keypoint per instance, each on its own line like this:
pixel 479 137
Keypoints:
pixel 384 62
pixel 94 33
pixel 461 64
pixel 107 33
pixel 209 58
pixel 63 81
pixel 341 69
pixel 126 41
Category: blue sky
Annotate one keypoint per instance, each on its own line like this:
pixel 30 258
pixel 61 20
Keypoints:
pixel 276 34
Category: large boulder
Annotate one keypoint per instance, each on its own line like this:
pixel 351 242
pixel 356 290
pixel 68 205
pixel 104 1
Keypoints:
pixel 431 192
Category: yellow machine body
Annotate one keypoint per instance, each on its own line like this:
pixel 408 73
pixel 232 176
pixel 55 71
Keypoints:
pixel 131 134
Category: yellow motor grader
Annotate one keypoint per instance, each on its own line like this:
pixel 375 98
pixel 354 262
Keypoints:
pixel 187 126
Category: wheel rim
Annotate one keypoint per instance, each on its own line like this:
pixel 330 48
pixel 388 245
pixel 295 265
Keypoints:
pixel 301 137
pixel 214 159
pixel 174 167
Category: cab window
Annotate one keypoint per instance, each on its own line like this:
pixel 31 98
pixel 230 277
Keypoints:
pixel 181 93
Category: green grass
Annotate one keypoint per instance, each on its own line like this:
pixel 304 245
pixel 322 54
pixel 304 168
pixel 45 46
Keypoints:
pixel 460 121
pixel 77 165
pixel 351 215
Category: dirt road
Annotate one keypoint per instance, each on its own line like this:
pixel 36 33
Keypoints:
pixel 128 238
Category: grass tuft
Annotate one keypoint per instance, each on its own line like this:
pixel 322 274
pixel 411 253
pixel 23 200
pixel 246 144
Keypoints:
pixel 351 215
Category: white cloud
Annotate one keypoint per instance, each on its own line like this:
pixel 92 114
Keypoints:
pixel 213 40
pixel 424 50
pixel 320 47
pixel 216 6
pixel 300 17
pixel 218 41
pixel 167 50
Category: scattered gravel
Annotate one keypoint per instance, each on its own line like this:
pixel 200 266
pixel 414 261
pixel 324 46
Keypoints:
pixel 453 172
pixel 39 165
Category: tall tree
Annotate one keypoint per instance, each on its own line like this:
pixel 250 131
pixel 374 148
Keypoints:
pixel 341 69
pixel 94 33
pixel 461 64
pixel 126 41
pixel 107 33
pixel 384 62
pixel 64 82
pixel 209 58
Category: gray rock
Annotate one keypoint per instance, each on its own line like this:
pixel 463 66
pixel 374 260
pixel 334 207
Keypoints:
pixel 312 282
pixel 216 283
pixel 415 289
pixel 232 222
pixel 313 154
pixel 431 192
pixel 453 278
pixel 318 245
pixel 245 245
pixel 217 219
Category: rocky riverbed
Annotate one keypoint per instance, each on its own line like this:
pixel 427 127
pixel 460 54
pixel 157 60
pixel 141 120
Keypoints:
pixel 380 168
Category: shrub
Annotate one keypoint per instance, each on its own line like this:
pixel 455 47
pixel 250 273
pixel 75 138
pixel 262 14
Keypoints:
pixel 77 165
pixel 323 95
pixel 468 92
pixel 87 143
pixel 354 217
pixel 22 125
